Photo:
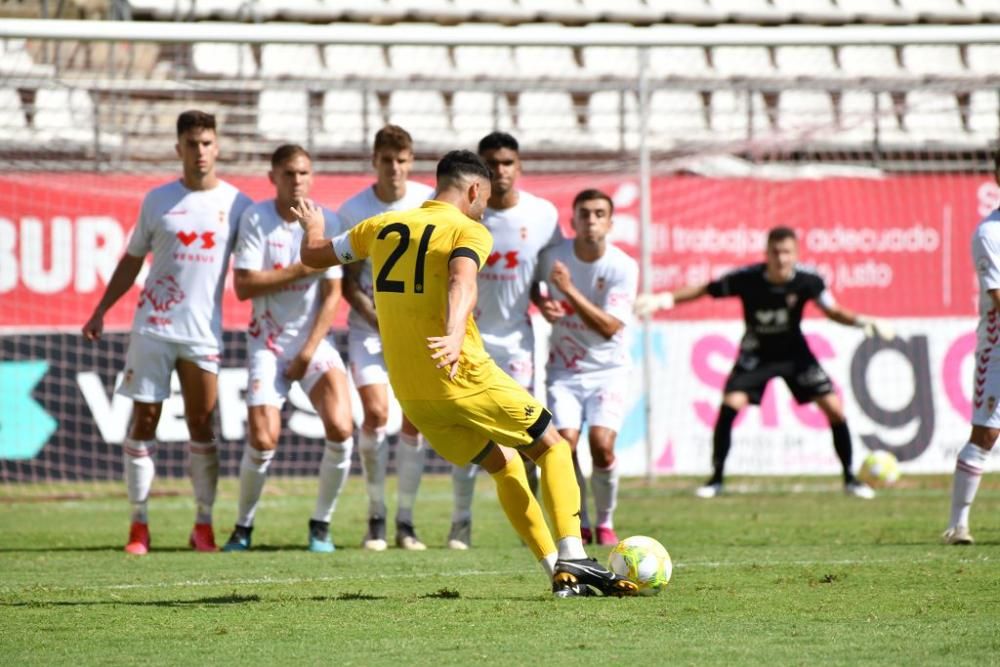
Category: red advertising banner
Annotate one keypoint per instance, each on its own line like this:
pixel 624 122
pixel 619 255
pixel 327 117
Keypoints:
pixel 893 246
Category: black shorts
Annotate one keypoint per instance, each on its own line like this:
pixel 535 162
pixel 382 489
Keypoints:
pixel 799 369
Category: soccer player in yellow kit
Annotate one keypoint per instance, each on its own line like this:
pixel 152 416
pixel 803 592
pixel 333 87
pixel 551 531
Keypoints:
pixel 425 262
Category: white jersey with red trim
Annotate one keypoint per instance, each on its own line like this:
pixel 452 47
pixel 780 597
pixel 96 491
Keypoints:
pixel 610 283
pixel 191 234
pixel 281 320
pixel 986 387
pixel 520 234
pixel 363 206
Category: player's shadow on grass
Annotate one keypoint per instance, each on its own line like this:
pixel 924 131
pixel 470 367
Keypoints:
pixel 215 600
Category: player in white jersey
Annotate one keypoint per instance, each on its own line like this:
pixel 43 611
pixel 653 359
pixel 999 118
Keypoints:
pixel 972 458
pixel 293 308
pixel 189 225
pixel 591 288
pixel 392 191
pixel 522 226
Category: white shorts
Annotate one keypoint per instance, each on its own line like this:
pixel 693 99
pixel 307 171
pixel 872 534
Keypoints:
pixel 150 362
pixel 266 382
pixel 986 388
pixel 367 363
pixel 515 362
pixel 598 400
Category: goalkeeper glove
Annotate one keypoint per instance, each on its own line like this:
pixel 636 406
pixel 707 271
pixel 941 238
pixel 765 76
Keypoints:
pixel 647 304
pixel 875 327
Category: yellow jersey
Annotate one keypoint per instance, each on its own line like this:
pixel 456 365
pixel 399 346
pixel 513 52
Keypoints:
pixel 410 251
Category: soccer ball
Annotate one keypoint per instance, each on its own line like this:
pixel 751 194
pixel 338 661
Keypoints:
pixel 880 469
pixel 643 561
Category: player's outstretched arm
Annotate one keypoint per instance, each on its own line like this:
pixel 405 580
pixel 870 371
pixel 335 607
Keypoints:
pixel 121 281
pixel 873 327
pixel 649 303
pixel 248 283
pixel 315 251
pixel 462 295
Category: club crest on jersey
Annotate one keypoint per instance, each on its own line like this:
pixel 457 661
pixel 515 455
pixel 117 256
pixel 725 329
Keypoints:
pixel 983 264
pixel 129 373
pixel 791 300
pixel 991 403
pixel 524 233
pixel 600 283
pixel 529 410
pixel 222 217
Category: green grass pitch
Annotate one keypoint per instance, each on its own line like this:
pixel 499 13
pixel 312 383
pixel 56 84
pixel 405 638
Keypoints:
pixel 779 572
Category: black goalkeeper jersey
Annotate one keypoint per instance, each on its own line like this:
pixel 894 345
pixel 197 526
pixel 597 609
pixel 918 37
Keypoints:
pixel 772 312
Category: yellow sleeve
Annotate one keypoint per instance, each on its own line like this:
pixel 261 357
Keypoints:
pixel 474 242
pixel 361 236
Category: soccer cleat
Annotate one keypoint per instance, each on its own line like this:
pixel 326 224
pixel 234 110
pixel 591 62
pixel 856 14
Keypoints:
pixel 460 535
pixel 586 535
pixel 138 539
pixel 320 541
pixel 587 572
pixel 203 538
pixel 374 539
pixel 606 536
pixel 406 537
pixel 710 490
pixel 563 587
pixel 859 490
pixel 239 540
pixel 957 535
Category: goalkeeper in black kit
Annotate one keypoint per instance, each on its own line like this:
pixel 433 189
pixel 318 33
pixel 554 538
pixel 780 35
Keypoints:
pixel 774 294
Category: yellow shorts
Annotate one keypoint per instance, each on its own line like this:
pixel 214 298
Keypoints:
pixel 459 429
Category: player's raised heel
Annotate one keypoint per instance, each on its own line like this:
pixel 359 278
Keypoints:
pixel 565 585
pixel 203 538
pixel 859 490
pixel 588 572
pixel 138 539
pixel 239 540
pixel 586 535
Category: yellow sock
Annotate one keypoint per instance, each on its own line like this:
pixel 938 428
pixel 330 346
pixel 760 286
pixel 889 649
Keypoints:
pixel 521 508
pixel 559 489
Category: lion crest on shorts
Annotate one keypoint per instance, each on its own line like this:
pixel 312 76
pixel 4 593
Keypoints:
pixel 163 294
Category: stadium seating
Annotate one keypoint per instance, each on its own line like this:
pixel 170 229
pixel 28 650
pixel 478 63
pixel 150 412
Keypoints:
pixel 283 115
pixel 350 118
pixel 476 113
pixel 424 114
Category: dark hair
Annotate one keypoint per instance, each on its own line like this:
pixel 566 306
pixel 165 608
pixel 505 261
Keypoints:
pixel 497 140
pixel 780 234
pixel 458 164
pixel 286 152
pixel 195 120
pixel 394 138
pixel 590 194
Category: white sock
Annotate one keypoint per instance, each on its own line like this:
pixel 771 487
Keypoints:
pixel 139 473
pixel 571 548
pixel 333 472
pixel 604 484
pixel 463 482
pixel 374 451
pixel 582 483
pixel 253 473
pixel 968 471
pixel 410 457
pixel 203 459
pixel 548 563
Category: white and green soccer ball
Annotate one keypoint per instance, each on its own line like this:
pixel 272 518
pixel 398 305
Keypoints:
pixel 643 561
pixel 879 469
